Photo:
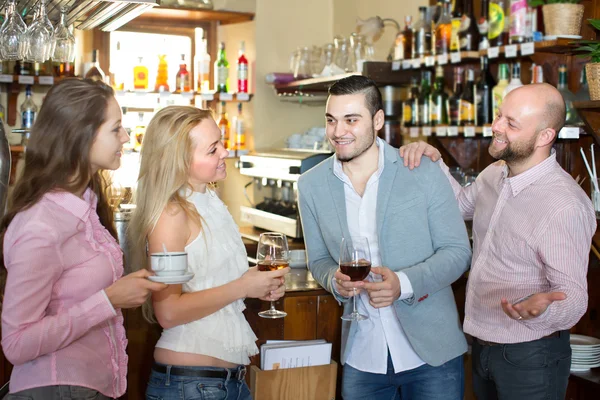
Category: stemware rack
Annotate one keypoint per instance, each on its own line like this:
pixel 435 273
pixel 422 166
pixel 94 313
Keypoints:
pixel 106 15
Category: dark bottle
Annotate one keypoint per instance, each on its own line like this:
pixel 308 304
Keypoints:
pixel 410 109
pixel 483 26
pixel 467 100
pixel 483 95
pixel 468 33
pixel 457 15
pixel 454 100
pixel 424 100
pixel 439 100
pixel 422 33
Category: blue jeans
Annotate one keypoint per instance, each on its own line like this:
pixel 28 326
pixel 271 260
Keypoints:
pixel 445 382
pixel 167 386
pixel 536 370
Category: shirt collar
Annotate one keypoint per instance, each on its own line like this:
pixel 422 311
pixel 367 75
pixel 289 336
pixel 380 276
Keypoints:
pixel 79 207
pixel 523 180
pixel 339 171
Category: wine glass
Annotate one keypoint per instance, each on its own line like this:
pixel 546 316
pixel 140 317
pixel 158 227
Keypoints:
pixel 39 36
pixel 12 34
pixel 64 41
pixel 355 261
pixel 272 254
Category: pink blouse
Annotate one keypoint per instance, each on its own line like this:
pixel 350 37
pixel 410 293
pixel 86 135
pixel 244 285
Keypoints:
pixel 58 327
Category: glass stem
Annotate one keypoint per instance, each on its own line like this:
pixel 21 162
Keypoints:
pixel 273 306
pixel 354 301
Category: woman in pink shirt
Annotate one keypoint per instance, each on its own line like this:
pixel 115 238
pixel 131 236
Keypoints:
pixel 62 326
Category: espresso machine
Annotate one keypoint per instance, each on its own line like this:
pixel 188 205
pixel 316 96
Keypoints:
pixel 273 191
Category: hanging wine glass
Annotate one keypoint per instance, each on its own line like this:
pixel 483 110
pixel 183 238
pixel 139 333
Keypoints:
pixel 46 22
pixel 12 34
pixel 64 41
pixel 38 38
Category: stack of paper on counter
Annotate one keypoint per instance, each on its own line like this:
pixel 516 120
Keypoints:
pixel 281 354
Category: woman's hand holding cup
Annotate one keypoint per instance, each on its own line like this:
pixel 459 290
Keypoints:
pixel 132 290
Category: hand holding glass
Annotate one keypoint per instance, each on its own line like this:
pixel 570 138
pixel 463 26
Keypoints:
pixel 355 261
pixel 272 254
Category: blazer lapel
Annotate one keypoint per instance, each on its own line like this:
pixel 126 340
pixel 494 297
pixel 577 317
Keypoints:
pixel 386 183
pixel 338 200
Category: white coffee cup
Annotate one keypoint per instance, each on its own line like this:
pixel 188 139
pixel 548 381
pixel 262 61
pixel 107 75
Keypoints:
pixel 172 263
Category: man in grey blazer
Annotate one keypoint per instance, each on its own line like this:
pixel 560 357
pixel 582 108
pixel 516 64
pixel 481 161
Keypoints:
pixel 411 345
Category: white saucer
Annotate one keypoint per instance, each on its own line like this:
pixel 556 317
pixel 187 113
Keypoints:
pixel 171 280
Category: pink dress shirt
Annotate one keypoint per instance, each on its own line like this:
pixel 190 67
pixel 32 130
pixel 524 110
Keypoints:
pixel 58 327
pixel 531 234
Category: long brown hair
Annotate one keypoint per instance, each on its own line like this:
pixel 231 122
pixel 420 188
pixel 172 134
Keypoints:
pixel 57 156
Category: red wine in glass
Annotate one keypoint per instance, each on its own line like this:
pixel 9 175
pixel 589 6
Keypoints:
pixel 357 271
pixel 355 262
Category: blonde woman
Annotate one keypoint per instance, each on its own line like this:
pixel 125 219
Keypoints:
pixel 206 341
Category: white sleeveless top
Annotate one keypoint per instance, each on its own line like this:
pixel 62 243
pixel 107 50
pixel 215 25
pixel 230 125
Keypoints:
pixel 217 256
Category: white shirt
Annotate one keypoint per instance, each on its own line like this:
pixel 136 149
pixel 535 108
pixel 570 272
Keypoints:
pixel 382 331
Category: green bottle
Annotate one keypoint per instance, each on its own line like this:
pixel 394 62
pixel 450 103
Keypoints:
pixel 424 111
pixel 439 100
pixel 222 71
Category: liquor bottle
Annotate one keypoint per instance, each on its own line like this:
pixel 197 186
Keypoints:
pixel 483 95
pixel 424 99
pixel 457 15
pixel 498 90
pixel 518 21
pixel 454 100
pixel 140 75
pixel 37 69
pixel 239 130
pixel 224 127
pixel 202 63
pixel 410 108
pixel 162 75
pixel 28 110
pixel 537 74
pixel 118 79
pixel 403 46
pixel 583 94
pixel 422 33
pixel 138 133
pixel 95 72
pixel 443 30
pixel 497 23
pixel 222 71
pixel 67 69
pixel 439 99
pixel 242 70
pixel 468 34
pixel 571 117
pixel 483 26
pixel 182 79
pixel 466 113
pixel 515 79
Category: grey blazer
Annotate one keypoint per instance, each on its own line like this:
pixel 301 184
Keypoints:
pixel 421 232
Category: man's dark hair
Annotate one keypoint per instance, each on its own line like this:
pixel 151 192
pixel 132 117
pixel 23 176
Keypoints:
pixel 359 84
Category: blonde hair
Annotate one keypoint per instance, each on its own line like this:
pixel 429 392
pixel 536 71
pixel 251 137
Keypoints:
pixel 165 162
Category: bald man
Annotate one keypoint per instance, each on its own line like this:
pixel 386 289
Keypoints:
pixel 532 230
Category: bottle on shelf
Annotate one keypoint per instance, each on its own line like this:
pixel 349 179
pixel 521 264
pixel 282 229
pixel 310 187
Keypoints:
pixel 202 70
pixel 457 15
pixel 424 99
pixel 403 46
pixel 483 26
pixel 138 133
pixel 468 34
pixel 422 33
pixel 571 117
pixel 583 94
pixel 498 23
pixel 222 71
pixel 224 126
pixel 67 69
pixel 95 72
pixel 140 75
pixel 410 108
pixel 162 75
pixel 483 95
pixel 498 90
pixel 28 110
pixel 439 99
pixel 242 70
pixel 454 99
pixel 182 79
pixel 443 30
pixel 2 109
pixel 467 100
pixel 239 137
pixel 118 79
pixel 537 74
pixel 515 78
pixel 518 21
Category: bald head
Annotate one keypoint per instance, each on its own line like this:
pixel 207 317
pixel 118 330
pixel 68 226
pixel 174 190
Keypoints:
pixel 547 101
